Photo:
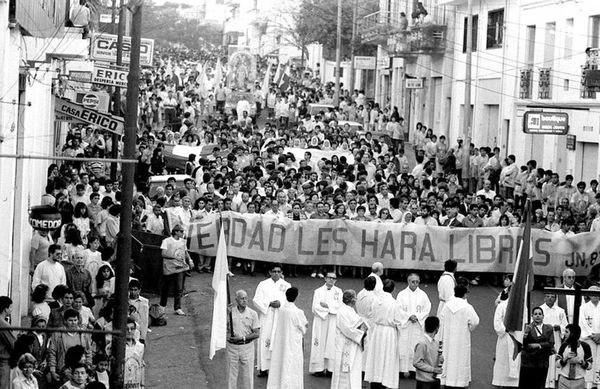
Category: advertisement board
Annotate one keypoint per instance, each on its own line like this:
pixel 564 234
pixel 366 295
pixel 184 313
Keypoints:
pixel 104 48
pixel 90 116
pixel 550 123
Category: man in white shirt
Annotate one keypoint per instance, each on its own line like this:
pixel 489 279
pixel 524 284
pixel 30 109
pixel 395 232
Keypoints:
pixel 50 272
pixel 487 191
pixel 567 302
pixel 326 301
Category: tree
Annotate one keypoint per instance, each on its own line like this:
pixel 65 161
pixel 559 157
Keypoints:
pixel 315 21
pixel 167 26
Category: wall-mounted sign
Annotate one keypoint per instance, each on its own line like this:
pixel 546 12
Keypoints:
pixel 414 83
pixel 104 48
pixel 98 100
pixel 552 123
pixel 90 116
pixel 361 62
pixel 44 218
pixel 108 76
pixel 80 76
pixel 571 142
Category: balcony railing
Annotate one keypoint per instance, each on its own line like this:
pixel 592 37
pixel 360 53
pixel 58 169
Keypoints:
pixel 526 83
pixel 590 75
pixel 419 39
pixel 545 83
pixel 376 27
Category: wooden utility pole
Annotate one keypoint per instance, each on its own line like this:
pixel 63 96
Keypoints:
pixel 353 45
pixel 117 92
pixel 467 103
pixel 338 54
pixel 124 239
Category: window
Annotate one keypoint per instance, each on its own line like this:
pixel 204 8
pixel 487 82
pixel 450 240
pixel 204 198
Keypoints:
pixel 530 55
pixel 568 38
pixel 495 29
pixel 594 31
pixel 474 30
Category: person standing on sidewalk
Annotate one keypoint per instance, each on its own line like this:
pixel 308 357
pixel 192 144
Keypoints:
pixel 240 344
pixel 176 261
pixel 7 341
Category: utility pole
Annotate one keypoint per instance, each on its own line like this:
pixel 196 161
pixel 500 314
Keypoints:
pixel 124 239
pixel 466 169
pixel 117 93
pixel 338 54
pixel 353 45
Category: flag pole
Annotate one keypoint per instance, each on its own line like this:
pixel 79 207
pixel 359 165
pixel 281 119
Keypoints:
pixel 230 315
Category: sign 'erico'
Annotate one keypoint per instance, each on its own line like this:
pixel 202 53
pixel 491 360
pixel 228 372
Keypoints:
pixel 44 218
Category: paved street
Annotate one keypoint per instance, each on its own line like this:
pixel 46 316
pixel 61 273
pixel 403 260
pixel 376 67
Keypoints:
pixel 178 353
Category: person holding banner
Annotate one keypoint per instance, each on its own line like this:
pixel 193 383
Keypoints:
pixel 268 298
pixel 326 302
pixel 176 261
pixel 240 343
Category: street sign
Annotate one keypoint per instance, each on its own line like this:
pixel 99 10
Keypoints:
pixel 80 76
pixel 107 18
pixel 414 83
pixel 103 121
pixel 107 76
pixel 361 62
pixel 571 142
pixel 551 123
pixel 104 48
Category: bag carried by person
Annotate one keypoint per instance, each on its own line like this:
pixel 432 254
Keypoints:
pixel 157 316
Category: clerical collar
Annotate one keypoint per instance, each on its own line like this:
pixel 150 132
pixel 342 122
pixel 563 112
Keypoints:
pixel 429 338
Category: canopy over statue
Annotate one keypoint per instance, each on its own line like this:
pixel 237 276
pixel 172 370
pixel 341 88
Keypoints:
pixel 241 71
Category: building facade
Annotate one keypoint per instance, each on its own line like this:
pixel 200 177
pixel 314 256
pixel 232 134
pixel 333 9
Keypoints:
pixel 35 47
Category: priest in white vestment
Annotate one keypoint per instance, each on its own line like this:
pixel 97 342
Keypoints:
pixel 414 309
pixel 326 302
pixel 366 298
pixel 287 358
pixel 458 320
pixel 589 321
pixel 557 318
pixel 377 272
pixel 350 333
pixel 269 296
pixel 506 369
pixel 382 363
pixel 446 284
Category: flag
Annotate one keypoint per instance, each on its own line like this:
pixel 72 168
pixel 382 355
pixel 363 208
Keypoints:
pixel 265 85
pixel 218 333
pixel 517 309
pixel 277 74
pixel 218 73
pixel 284 82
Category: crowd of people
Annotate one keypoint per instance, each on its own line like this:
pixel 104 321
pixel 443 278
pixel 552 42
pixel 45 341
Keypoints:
pixel 366 173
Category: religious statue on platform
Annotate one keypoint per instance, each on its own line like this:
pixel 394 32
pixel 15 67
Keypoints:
pixel 241 70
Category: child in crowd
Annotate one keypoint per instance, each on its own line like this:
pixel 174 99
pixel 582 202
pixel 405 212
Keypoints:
pixel 101 369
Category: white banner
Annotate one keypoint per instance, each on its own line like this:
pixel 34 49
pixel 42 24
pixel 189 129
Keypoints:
pixel 397 246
